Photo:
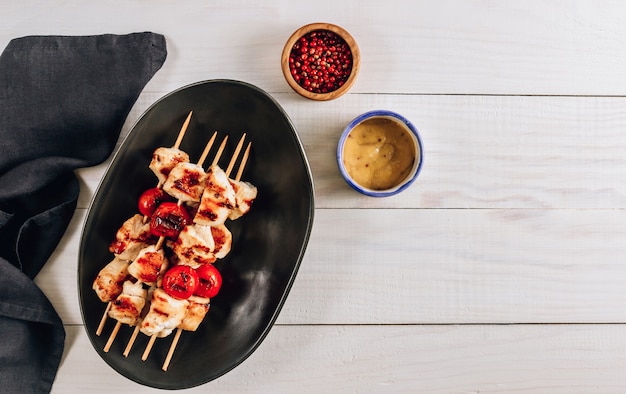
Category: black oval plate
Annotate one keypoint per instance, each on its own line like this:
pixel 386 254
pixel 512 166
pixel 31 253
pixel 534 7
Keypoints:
pixel 268 243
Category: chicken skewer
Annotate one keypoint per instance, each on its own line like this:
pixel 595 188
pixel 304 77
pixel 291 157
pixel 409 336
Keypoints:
pixel 152 260
pixel 198 308
pixel 126 308
pixel 179 156
pixel 156 261
pixel 161 167
pixel 205 153
pixel 176 187
pixel 133 291
pixel 183 306
pixel 208 239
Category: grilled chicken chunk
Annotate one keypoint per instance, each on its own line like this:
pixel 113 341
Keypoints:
pixel 196 310
pixel 108 283
pixel 245 194
pixel 223 240
pixel 218 198
pixel 127 306
pixel 165 314
pixel 148 265
pixel 194 246
pixel 164 160
pixel 133 236
pixel 211 213
pixel 197 245
pixel 186 182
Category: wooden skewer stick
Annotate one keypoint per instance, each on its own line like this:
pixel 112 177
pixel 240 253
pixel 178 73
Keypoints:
pixel 146 352
pixel 131 341
pixel 235 155
pixel 118 325
pixel 159 244
pixel 219 152
pixel 103 320
pixel 170 352
pixel 206 150
pixel 176 145
pixel 112 336
pixel 182 131
pixel 244 159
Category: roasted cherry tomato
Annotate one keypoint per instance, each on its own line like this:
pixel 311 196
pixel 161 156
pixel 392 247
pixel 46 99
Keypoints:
pixel 210 281
pixel 180 282
pixel 151 199
pixel 169 219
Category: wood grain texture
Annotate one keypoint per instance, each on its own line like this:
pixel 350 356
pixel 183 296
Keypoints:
pixel 479 151
pixel 500 270
pixel 566 359
pixel 383 266
pixel 447 47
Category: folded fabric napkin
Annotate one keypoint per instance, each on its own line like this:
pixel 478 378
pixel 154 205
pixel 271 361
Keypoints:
pixel 63 102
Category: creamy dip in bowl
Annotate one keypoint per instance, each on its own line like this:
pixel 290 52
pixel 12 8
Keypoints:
pixel 380 153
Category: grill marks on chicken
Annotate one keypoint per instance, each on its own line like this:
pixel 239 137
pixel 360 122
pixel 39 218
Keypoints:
pixel 164 160
pixel 245 194
pixel 148 265
pixel 201 243
pixel 194 315
pixel 133 236
pixel 218 199
pixel 110 279
pixel 223 239
pixel 131 283
pixel 128 305
pixel 165 314
pixel 194 246
pixel 197 244
pixel 186 182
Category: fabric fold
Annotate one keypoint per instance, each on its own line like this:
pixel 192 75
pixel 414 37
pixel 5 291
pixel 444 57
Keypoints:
pixel 63 103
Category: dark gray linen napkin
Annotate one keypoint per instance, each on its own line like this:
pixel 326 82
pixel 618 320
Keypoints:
pixel 63 102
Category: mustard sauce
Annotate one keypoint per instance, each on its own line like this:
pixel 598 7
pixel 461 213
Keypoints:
pixel 379 153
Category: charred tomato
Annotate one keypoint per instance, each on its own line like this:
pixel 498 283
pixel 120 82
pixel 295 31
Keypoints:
pixel 210 281
pixel 151 199
pixel 169 219
pixel 180 282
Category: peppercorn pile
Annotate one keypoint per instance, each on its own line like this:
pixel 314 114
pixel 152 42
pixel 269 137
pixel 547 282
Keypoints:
pixel 320 61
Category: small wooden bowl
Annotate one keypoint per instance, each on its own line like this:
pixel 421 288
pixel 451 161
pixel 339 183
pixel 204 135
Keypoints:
pixel 354 49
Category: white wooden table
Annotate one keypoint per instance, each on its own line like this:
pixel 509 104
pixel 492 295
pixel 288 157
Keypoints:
pixel 502 269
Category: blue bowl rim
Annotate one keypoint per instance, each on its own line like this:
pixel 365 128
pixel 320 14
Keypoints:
pixel 396 189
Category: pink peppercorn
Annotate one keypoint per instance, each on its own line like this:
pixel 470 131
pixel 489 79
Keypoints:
pixel 320 61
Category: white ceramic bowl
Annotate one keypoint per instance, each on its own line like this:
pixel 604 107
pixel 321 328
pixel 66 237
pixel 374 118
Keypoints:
pixel 374 154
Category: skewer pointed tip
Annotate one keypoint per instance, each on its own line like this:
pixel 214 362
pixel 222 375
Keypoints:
pixel 220 151
pixel 244 159
pixel 182 131
pixel 206 150
pixel 233 159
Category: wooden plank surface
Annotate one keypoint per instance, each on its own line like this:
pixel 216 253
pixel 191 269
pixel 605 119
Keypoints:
pixel 500 270
pixel 450 46
pixel 381 266
pixel 567 359
pixel 479 151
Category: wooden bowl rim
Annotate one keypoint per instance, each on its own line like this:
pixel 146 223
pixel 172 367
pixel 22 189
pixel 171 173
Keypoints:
pixel 347 37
